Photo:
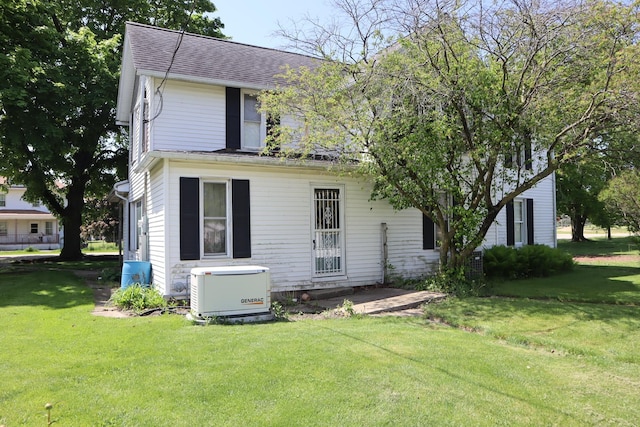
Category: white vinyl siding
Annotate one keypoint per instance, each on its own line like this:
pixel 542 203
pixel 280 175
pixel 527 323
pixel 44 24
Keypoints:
pixel 155 222
pixel 192 118
pixel 281 228
pixel 544 220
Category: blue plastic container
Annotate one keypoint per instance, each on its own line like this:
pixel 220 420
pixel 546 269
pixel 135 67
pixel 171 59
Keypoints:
pixel 135 272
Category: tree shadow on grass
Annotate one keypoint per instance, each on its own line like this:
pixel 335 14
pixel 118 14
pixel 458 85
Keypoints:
pixel 597 284
pixel 43 287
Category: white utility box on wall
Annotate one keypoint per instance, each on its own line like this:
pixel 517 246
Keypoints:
pixel 230 291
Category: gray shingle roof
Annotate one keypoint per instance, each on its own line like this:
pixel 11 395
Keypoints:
pixel 208 58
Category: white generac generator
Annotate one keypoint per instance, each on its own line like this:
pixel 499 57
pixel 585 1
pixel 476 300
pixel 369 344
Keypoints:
pixel 229 291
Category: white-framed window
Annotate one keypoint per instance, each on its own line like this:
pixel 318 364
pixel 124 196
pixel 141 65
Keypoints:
pixel 36 204
pixel 34 228
pixel 145 125
pixel 215 218
pixel 3 200
pixel 48 228
pixel 4 231
pixel 519 222
pixel 137 225
pixel 254 126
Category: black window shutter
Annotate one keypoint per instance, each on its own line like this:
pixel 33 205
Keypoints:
pixel 508 159
pixel 428 233
pixel 530 235
pixel 189 218
pixel 241 218
pixel 233 118
pixel 528 163
pixel 511 235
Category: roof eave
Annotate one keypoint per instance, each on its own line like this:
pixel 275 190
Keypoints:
pixel 125 85
pixel 204 80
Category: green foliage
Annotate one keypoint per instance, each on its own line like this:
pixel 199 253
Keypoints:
pixel 527 261
pixel 278 311
pixel 452 282
pixel 59 69
pixel 101 246
pixel 138 298
pixel 577 188
pixel 463 92
pixel 347 308
pixel 31 249
pixel 623 192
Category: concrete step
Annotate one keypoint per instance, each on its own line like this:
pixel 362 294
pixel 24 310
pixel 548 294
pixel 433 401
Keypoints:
pixel 397 303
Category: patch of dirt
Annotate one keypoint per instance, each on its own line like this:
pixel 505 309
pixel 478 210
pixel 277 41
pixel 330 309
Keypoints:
pixel 606 258
pixel 101 294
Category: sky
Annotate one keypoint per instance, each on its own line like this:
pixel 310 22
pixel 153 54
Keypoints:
pixel 255 21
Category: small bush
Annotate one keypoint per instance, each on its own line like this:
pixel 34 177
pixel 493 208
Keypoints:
pixel 500 261
pixel 453 282
pixel 31 249
pixel 138 298
pixel 527 261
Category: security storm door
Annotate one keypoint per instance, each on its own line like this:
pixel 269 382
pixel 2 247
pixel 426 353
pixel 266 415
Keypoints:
pixel 328 238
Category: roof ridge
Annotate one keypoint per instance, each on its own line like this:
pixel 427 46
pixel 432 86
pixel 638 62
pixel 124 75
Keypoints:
pixel 187 33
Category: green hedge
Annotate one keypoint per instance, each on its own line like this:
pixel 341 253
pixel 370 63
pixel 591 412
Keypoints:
pixel 527 261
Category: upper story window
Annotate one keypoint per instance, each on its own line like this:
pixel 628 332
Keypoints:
pixel 253 123
pixel 144 143
pixel 3 200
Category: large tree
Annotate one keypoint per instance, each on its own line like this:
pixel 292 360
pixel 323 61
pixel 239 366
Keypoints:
pixel 59 67
pixel 435 98
pixel 578 186
pixel 623 193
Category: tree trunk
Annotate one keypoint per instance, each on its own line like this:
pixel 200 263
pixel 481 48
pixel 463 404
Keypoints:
pixel 577 228
pixel 72 220
pixel 608 232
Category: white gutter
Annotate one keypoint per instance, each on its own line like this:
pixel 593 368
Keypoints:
pixel 206 80
pixel 118 188
pixel 235 159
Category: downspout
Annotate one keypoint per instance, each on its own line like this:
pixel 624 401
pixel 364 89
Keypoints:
pixel 120 226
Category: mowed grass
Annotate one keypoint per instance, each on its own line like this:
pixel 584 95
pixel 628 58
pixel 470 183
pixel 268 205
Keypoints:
pixel 608 271
pixel 498 361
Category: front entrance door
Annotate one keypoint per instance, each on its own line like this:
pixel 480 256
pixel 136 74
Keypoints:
pixel 328 238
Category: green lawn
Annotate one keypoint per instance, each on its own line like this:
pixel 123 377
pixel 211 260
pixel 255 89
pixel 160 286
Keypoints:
pixel 505 361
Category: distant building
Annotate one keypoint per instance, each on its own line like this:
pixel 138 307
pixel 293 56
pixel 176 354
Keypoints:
pixel 23 224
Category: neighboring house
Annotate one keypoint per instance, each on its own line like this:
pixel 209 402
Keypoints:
pixel 23 224
pixel 200 195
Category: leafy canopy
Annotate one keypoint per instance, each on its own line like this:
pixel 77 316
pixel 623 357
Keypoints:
pixel 451 97
pixel 59 68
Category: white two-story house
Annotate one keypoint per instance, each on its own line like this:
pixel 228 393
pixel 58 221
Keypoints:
pixel 199 194
pixel 23 224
